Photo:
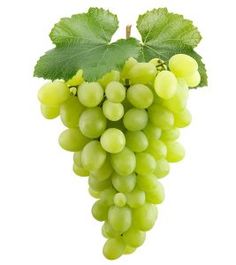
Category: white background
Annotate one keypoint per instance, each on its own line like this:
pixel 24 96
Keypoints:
pixel 45 209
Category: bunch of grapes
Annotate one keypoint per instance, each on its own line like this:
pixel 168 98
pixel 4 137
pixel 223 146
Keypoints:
pixel 123 130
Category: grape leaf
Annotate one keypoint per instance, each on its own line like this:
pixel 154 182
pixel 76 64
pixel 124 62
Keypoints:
pixel 83 42
pixel 165 34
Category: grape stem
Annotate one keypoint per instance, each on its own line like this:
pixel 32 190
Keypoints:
pixel 128 31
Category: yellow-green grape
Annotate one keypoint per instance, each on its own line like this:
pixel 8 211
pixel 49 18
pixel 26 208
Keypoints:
pixel 92 122
pixel 104 172
pixel 124 183
pixel 135 119
pixel 53 93
pixel 165 84
pixel 70 112
pixel 100 210
pixel 162 168
pixel 124 162
pixel 142 73
pixel 72 140
pixel 161 117
pixel 140 96
pixel 115 92
pixel 152 132
pixel 183 65
pixel 179 101
pixel 90 94
pixel 113 248
pixel 119 218
pixel 77 79
pixel 134 237
pixel 108 231
pixel 112 111
pixel 80 171
pixel 183 118
pixel 157 195
pixel 93 156
pixel 145 217
pixel 146 182
pixel 159 64
pixel 193 80
pixel 109 77
pixel 175 151
pixel 129 250
pixel 98 185
pixel 120 200
pixel 108 194
pixel 135 198
pixel 170 135
pixel 127 66
pixel 50 112
pixel 136 141
pixel 145 163
pixel 77 159
pixel 113 140
pixel 157 149
pixel 95 194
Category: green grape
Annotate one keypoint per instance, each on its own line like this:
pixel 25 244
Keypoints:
pixel 92 122
pixel 145 217
pixel 136 141
pixel 115 92
pixel 179 101
pixel 72 140
pixel 170 135
pixel 193 80
pixel 77 159
pixel 162 168
pixel 135 119
pixel 129 250
pixel 159 64
pixel 136 198
pixel 120 219
pixel 165 84
pixel 50 112
pixel 70 112
pixel 146 182
pixel 157 149
pixel 161 117
pixel 124 162
pixel 152 132
pixel 112 111
pixel 108 231
pixel 108 194
pixel 104 172
pixel 95 194
pixel 175 151
pixel 113 140
pixel 120 200
pixel 140 96
pixel 134 237
pixel 183 65
pixel 127 66
pixel 145 163
pixel 113 248
pixel 100 210
pixel 93 156
pixel 53 93
pixel 80 171
pixel 90 94
pixel 77 79
pixel 98 185
pixel 142 73
pixel 124 183
pixel 157 195
pixel 183 118
pixel 109 77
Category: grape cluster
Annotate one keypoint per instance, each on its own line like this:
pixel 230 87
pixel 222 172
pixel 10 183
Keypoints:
pixel 123 130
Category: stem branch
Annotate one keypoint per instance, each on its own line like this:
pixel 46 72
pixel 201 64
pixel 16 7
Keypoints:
pixel 128 31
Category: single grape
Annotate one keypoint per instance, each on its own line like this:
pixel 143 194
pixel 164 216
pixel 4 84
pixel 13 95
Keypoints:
pixel 162 168
pixel 98 185
pixel 142 73
pixel 108 231
pixel 182 118
pixel 93 156
pixel 183 65
pixel 165 84
pixel 120 200
pixel 145 163
pixel 175 151
pixel 90 94
pixel 124 162
pixel 104 172
pixel 124 183
pixel 134 237
pixel 95 194
pixel 115 92
pixel 152 132
pixel 77 79
pixel 113 248
pixel 109 77
pixel 100 210
pixel 50 112
pixel 140 96
pixel 92 122
pixel 193 80
pixel 129 250
pixel 157 149
pixel 112 111
pixel 80 171
pixel 136 141
pixel 53 93
pixel 170 135
pixel 135 119
pixel 127 66
pixel 72 140
pixel 135 198
pixel 108 194
pixel 157 195
pixel 146 182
